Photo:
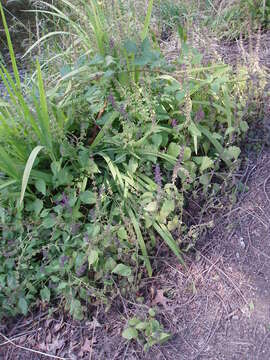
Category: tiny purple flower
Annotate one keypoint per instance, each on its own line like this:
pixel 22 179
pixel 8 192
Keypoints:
pixel 82 269
pixel 174 123
pixel 63 260
pixel 199 115
pixel 123 112
pixel 75 228
pixel 111 43
pixel 112 101
pixel 158 177
pixel 64 202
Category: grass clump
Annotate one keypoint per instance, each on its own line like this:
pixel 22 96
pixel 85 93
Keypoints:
pixel 230 19
pixel 94 172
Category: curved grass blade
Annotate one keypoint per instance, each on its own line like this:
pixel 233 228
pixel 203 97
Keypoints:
pixel 141 241
pixel 167 237
pixel 27 170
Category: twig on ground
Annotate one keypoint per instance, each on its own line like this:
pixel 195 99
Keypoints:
pixel 261 345
pixel 227 277
pixel 31 350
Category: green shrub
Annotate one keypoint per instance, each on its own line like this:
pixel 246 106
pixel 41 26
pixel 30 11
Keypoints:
pixel 94 173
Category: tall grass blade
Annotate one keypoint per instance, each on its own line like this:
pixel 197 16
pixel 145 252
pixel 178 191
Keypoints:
pixel 167 237
pixel 141 241
pixel 147 20
pixel 10 48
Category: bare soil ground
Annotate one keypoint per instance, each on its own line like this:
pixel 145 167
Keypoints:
pixel 218 308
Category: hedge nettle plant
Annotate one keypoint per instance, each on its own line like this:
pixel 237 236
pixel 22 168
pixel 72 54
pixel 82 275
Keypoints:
pixel 94 173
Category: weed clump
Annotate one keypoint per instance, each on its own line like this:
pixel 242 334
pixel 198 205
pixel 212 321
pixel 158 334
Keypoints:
pixel 94 172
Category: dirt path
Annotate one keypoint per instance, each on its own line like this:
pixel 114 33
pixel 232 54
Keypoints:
pixel 228 315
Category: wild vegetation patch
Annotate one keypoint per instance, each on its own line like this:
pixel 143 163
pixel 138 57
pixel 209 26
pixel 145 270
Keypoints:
pixel 97 154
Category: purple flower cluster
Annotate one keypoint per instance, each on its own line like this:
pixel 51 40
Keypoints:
pixel 63 260
pixel 111 44
pixel 64 202
pixel 199 115
pixel 158 176
pixel 121 109
pixel 82 269
pixel 174 123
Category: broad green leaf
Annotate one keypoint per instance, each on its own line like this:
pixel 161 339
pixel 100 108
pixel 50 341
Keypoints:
pixel 206 163
pixel 174 149
pixel 194 131
pixel 151 207
pixel 49 222
pixel 164 337
pixel 232 152
pixel 187 153
pixel 216 144
pixel 27 170
pixel 76 309
pixel 122 233
pixel 167 207
pixel 23 306
pixel 132 165
pixel 88 197
pixel 142 325
pixel 130 333
pixel 244 126
pixel 37 206
pixel 134 321
pixel 157 140
pixel 45 294
pixel 122 270
pixel 93 257
pixel 41 186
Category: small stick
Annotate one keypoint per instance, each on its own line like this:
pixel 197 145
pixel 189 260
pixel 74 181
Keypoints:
pixel 31 350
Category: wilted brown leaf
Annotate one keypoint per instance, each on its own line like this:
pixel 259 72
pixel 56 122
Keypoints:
pixel 160 299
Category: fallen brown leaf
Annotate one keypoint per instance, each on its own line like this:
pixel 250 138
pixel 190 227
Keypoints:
pixel 160 299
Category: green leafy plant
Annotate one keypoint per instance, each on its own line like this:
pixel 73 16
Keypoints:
pixel 147 332
pixel 95 166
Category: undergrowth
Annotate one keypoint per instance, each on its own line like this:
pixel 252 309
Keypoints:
pixel 97 154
